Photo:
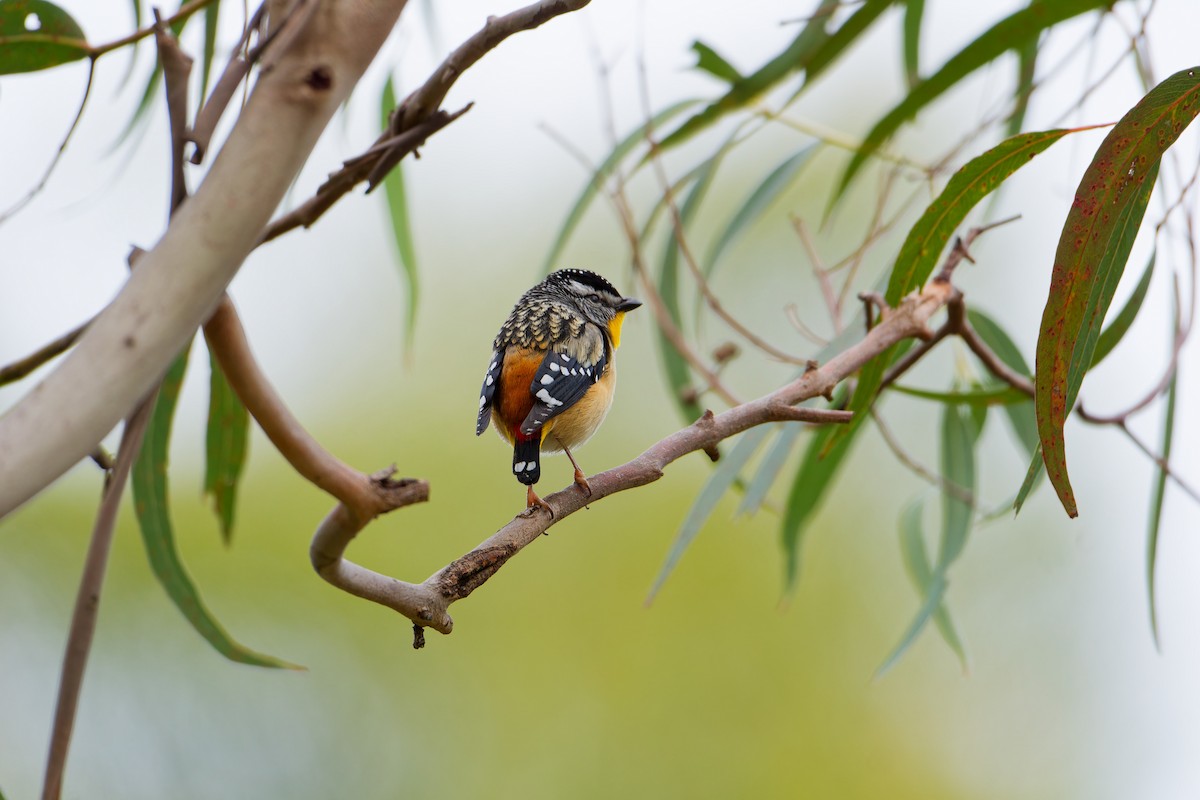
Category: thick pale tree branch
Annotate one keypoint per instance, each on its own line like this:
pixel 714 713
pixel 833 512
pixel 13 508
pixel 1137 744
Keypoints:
pixel 179 281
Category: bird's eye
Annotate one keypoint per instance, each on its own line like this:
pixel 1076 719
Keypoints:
pixel 595 298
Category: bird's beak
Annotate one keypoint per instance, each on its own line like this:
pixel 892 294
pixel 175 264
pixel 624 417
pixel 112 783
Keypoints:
pixel 628 304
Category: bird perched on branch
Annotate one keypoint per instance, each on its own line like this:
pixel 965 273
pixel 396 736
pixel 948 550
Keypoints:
pixel 550 382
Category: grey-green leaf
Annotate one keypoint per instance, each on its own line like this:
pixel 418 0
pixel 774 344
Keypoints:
pixel 758 201
pixel 226 442
pixel 1112 334
pixel 149 481
pixel 719 482
pixel 1158 494
pixel 397 203
pixel 920 572
pixel 712 62
pixel 37 35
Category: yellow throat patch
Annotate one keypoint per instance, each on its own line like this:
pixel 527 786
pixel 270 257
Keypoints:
pixel 614 329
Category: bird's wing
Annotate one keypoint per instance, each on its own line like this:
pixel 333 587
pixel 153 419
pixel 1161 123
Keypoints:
pixel 569 369
pixel 488 393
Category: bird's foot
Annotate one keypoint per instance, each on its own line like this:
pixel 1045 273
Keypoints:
pixel 582 482
pixel 533 502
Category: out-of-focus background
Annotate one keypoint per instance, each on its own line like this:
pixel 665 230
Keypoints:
pixel 557 681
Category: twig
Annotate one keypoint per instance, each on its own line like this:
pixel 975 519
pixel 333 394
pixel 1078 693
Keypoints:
pixel 87 602
pixel 177 67
pixel 214 107
pixel 22 367
pixel 418 117
pixel 832 305
pixel 685 250
pixel 185 11
pixel 62 148
pixel 941 482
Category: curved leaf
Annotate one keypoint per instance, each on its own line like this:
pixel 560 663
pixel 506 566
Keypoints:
pixel 759 200
pixel 1026 71
pixel 1097 236
pixel 723 477
pixel 822 458
pixel 712 62
pixel 1111 336
pixel 225 446
pixel 978 178
pixel 770 467
pixel 1020 415
pixel 149 481
pixel 1158 494
pixel 914 10
pixel 994 395
pixel 397 202
pixel 37 35
pixel 920 572
pixel 1011 33
pixel 812 51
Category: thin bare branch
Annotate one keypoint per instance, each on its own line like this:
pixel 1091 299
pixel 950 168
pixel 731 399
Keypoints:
pixel 22 367
pixel 87 602
pixel 418 116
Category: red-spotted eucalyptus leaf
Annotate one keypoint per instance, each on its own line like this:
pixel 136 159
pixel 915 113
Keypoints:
pixel 1092 252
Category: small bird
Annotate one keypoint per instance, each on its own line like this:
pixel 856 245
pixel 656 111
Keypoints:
pixel 550 382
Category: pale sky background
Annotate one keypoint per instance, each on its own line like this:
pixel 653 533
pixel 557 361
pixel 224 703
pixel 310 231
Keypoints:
pixel 319 305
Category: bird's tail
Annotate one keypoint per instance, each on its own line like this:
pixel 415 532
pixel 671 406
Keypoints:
pixel 527 455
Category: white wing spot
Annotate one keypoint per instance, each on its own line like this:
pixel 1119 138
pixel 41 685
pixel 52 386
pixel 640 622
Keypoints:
pixel 547 380
pixel 519 466
pixel 482 401
pixel 564 356
pixel 545 397
pixel 492 366
pixel 553 366
pixel 489 380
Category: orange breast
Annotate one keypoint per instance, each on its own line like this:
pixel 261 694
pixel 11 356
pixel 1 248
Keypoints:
pixel 514 400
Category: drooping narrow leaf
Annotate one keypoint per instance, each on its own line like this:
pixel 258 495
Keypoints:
pixel 727 471
pixel 958 439
pixel 37 35
pixel 1026 72
pixel 1112 334
pixel 397 202
pixel 759 199
pixel 1001 395
pixel 934 593
pixel 978 178
pixel 596 182
pixel 920 571
pixel 1010 33
pixel 914 10
pixel 211 19
pixel 929 236
pixel 1092 252
pixel 1157 495
pixel 678 374
pixel 712 62
pixel 958 467
pixel 225 441
pixel 820 464
pixel 1020 415
pixel 770 467
pixel 149 481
